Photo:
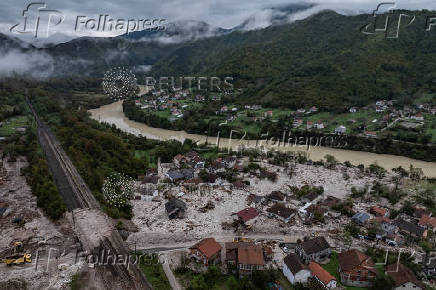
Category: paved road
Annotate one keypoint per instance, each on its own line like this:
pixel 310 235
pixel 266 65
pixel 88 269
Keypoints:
pixel 170 275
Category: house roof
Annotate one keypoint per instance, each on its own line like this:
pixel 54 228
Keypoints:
pixel 236 245
pixel 409 227
pixel 427 221
pixel 315 245
pixel 352 259
pixel 378 210
pixel 250 256
pixel 423 221
pixel 361 217
pixel 281 211
pixel 247 214
pixel 173 204
pixel 317 271
pixel 175 174
pixel 400 274
pixel 292 261
pixel 208 247
pixel 419 212
pixel 382 219
pixel 276 195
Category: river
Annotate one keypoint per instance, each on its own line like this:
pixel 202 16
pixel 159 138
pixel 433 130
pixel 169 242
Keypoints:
pixel 113 114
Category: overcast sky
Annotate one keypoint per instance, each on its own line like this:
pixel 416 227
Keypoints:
pixel 222 13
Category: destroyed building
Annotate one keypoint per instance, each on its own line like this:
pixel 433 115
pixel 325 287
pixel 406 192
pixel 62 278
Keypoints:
pixel 175 208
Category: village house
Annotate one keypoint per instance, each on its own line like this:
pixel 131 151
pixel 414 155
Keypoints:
pixel 403 277
pixel 250 259
pixel 281 212
pixel 268 114
pixel 297 123
pixel 309 125
pixel 207 251
pixel 356 269
pixel 315 249
pixel 294 270
pixel 370 134
pixel 318 125
pixel 429 264
pixel 409 228
pixel 360 218
pixel 255 199
pixel 417 117
pixel 248 215
pixel 232 251
pixel 313 109
pixel 378 211
pixel 353 110
pixel 340 130
pixel 322 276
pixel 276 196
pixel 419 212
pixel 427 222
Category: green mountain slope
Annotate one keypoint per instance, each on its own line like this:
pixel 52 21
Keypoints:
pixel 324 60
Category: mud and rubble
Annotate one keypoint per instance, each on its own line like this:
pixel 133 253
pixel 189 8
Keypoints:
pixel 38 235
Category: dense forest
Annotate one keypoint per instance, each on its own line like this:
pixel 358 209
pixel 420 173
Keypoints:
pixel 323 60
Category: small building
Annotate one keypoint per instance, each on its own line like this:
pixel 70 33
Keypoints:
pixel 427 222
pixel 429 264
pixel 313 109
pixel 378 211
pixel 360 218
pixel 268 114
pixel 276 196
pixel 319 125
pixel 175 208
pixel 294 270
pixel 403 278
pixel 175 175
pixel 370 134
pixel 247 215
pixel 281 212
pixel 313 249
pixel 322 276
pixel 340 130
pixel 356 269
pixel 207 251
pixel 353 110
pixel 410 228
pixel 232 251
pixel 250 259
pixel 309 125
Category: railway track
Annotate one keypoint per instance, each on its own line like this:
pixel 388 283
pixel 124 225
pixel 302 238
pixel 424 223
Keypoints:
pixel 78 196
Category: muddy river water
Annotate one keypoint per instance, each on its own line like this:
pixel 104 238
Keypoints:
pixel 113 114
